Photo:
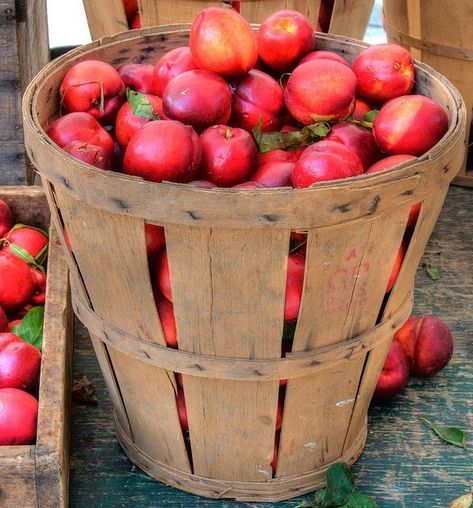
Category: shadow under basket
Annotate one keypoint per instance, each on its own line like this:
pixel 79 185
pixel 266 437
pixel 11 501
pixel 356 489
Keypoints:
pixel 228 255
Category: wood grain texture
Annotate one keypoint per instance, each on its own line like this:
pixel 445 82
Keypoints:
pixel 38 475
pixel 106 17
pixel 403 463
pixel 122 294
pixel 231 293
pixel 447 47
pixel 351 17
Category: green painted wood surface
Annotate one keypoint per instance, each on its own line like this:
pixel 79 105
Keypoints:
pixel 404 464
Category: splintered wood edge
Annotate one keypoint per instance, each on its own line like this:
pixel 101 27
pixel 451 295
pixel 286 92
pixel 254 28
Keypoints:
pixel 294 365
pixel 277 489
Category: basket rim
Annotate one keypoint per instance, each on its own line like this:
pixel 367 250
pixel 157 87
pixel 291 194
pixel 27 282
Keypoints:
pixel 434 157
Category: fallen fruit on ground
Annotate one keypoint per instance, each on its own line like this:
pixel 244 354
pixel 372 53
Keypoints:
pixel 395 373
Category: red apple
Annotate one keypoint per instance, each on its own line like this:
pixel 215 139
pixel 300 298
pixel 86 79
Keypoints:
pixel 154 237
pixel 138 77
pixel 90 154
pixel 358 139
pixel 396 267
pixel 274 174
pixel 389 163
pixel 170 65
pixel 284 38
pixel 327 55
pixel 18 417
pixel 411 124
pixel 5 218
pixel 128 123
pixel 427 342
pixel 162 277
pixel 199 98
pixel 257 97
pixel 131 8
pixel 395 373
pixel 222 41
pixel 80 127
pixel 325 15
pixel 19 363
pixel 294 285
pixel 168 323
pixel 164 150
pixel 94 87
pixel 325 160
pixel 361 108
pixel 16 282
pixel 320 90
pixel 135 23
pixel 3 320
pixel 228 155
pixel 383 71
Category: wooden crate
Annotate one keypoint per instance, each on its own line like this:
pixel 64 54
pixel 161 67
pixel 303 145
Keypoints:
pixel 439 33
pixel 349 17
pixel 37 475
pixel 24 51
pixel 228 252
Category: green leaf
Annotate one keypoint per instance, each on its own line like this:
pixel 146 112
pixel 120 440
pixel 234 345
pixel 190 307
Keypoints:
pixel 140 105
pixel 340 485
pixel 452 435
pixel 42 255
pixel 22 254
pixel 434 272
pixel 31 327
pixel 292 140
pixel 358 500
pixel 15 329
pixel 370 116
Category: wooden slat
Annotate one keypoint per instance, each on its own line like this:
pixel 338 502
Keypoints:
pixel 350 17
pixel 162 12
pixel 17 477
pixel 229 292
pixel 105 17
pixel 346 277
pixel 122 294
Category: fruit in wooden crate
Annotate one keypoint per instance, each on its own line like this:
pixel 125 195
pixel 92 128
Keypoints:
pixel 94 87
pixel 325 160
pixel 163 281
pixel 94 155
pixel 228 155
pixel 170 65
pixel 164 150
pixel 284 38
pixel 5 218
pixel 358 139
pixel 324 55
pixel 222 41
pixel 18 417
pixel 32 240
pixel 274 174
pixel 16 282
pixel 131 8
pixel 320 90
pixel 80 127
pixel 257 98
pixel 383 71
pixel 138 77
pixel 19 363
pixel 396 267
pixel 198 98
pixel 134 113
pixel 154 238
pixel 427 342
pixel 168 323
pixel 411 124
pixel 294 285
pixel 395 373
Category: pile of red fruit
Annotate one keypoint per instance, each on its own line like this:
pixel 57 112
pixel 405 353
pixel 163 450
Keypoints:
pixel 23 251
pixel 421 347
pixel 247 110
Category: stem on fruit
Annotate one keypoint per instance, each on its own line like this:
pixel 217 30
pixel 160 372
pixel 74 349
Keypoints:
pixel 228 134
pixel 100 104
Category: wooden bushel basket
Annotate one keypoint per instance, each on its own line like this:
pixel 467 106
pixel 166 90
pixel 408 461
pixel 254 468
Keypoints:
pixel 228 252
pixel 440 34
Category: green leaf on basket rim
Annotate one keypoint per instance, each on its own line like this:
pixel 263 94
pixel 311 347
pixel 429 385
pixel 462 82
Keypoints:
pixel 140 105
pixel 31 327
pixel 434 272
pixel 292 140
pixel 452 435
